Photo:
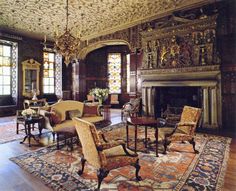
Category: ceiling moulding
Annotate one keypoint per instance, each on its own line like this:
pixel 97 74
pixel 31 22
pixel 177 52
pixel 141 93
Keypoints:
pixel 184 5
pixel 10 36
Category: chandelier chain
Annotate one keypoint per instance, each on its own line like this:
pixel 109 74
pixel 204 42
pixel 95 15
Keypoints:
pixel 67 14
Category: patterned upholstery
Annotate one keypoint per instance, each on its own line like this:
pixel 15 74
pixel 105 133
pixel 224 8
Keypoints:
pixel 131 108
pixel 185 129
pixel 104 156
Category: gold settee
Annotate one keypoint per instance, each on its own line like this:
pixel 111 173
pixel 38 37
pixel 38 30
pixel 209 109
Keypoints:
pixel 61 108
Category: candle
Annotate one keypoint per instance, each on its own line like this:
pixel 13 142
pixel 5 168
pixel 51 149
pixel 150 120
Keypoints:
pixel 33 85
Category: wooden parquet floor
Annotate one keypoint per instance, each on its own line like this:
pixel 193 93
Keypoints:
pixel 13 178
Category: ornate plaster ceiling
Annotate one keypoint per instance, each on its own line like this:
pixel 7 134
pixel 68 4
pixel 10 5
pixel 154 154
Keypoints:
pixel 90 18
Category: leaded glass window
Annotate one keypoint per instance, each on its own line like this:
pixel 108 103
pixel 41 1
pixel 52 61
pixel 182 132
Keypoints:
pixel 5 69
pixel 48 72
pixel 114 72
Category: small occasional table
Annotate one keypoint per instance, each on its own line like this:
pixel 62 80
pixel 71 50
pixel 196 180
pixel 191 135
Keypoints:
pixel 143 121
pixel 28 123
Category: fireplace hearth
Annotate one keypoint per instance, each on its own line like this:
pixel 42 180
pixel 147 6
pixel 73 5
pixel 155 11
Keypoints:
pixel 176 97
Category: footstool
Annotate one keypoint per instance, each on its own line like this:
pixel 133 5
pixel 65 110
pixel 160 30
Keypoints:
pixel 67 133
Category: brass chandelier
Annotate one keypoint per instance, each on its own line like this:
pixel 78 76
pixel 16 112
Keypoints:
pixel 66 44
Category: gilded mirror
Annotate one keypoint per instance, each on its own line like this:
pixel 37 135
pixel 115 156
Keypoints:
pixel 31 70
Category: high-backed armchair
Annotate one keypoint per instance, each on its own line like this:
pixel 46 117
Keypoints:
pixel 185 129
pixel 131 108
pixel 104 156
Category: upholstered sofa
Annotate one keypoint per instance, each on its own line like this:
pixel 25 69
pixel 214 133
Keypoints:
pixel 62 110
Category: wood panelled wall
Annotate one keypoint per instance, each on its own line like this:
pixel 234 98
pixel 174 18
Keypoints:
pixel 226 36
pixel 93 72
pixel 27 48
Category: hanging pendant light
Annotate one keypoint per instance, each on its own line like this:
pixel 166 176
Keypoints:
pixel 66 44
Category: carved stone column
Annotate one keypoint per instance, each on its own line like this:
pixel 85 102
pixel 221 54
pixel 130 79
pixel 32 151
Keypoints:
pixel 205 106
pixel 152 101
pixel 149 101
pixel 144 101
pixel 214 122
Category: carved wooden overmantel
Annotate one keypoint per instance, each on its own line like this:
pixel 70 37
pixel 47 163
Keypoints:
pixel 191 43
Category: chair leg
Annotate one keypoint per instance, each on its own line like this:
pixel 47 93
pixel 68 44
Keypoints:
pixel 17 128
pixel 83 160
pixel 193 143
pixel 165 144
pixel 53 136
pixel 137 167
pixel 58 146
pixel 101 174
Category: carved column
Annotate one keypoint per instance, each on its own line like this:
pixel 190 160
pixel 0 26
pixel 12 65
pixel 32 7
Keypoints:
pixel 214 122
pixel 205 106
pixel 144 101
pixel 152 101
pixel 149 101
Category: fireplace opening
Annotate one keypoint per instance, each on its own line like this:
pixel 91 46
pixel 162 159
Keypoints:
pixel 176 97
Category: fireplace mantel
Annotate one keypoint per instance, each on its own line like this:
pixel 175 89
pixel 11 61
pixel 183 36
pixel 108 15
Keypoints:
pixel 208 78
pixel 189 73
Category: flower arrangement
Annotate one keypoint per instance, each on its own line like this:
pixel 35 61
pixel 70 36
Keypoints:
pixel 28 112
pixel 100 94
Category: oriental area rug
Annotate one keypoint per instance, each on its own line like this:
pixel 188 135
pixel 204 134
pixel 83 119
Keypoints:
pixel 179 169
pixel 8 132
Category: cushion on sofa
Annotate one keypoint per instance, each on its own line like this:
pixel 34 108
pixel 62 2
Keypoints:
pixel 64 124
pixel 93 119
pixel 74 113
pixel 90 111
pixel 55 117
pixel 63 106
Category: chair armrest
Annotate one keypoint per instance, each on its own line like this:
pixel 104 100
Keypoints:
pixel 110 144
pixel 126 104
pixel 101 136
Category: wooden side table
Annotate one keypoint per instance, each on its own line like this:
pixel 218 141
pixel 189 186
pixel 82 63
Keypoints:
pixel 143 121
pixel 27 124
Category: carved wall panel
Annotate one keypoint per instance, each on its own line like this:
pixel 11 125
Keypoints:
pixel 184 45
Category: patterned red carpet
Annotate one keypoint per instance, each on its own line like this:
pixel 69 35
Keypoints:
pixel 180 169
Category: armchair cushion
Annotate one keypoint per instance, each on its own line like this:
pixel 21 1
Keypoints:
pixel 117 151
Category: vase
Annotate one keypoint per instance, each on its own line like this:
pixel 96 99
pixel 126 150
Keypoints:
pixel 100 101
pixel 28 117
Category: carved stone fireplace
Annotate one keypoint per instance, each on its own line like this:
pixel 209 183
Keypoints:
pixel 207 80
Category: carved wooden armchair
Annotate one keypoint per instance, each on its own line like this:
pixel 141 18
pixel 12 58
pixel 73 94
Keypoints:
pixel 185 129
pixel 131 108
pixel 103 156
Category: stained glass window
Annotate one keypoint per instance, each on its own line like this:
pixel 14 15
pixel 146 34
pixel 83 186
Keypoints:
pixel 128 72
pixel 5 69
pixel 114 72
pixel 48 72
